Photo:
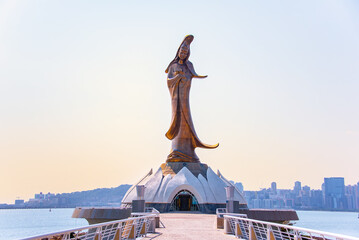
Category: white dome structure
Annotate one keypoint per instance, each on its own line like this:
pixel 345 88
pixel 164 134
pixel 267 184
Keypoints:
pixel 184 186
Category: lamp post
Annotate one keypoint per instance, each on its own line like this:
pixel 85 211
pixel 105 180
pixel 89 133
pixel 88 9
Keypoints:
pixel 138 205
pixel 232 206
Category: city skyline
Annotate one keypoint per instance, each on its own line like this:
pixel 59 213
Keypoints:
pixel 243 189
pixel 84 102
pixel 333 195
pixel 297 188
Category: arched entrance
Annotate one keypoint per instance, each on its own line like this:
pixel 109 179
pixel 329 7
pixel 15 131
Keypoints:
pixel 184 201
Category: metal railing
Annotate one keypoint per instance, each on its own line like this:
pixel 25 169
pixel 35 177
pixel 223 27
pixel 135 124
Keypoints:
pixel 130 228
pixel 220 212
pixel 251 229
pixel 148 211
pixel 152 210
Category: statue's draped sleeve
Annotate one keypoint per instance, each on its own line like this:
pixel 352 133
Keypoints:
pixel 175 121
pixel 181 108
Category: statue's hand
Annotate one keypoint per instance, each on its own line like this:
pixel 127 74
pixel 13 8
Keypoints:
pixel 176 78
pixel 179 76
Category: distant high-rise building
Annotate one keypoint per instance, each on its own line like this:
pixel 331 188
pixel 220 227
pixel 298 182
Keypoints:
pixel 256 203
pixel 39 196
pixel 316 198
pixel 306 191
pixel 350 197
pixel 49 195
pixel 19 201
pixel 268 203
pixel 334 193
pixel 274 187
pixel 297 187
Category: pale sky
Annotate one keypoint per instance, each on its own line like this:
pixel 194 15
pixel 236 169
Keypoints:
pixel 84 102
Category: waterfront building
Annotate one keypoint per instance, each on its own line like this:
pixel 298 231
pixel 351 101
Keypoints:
pixel 39 196
pixel 316 199
pixel 334 193
pixel 307 198
pixel 19 202
pixel 274 187
pixel 297 187
pixel 350 196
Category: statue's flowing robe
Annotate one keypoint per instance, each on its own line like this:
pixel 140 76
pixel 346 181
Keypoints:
pixel 181 123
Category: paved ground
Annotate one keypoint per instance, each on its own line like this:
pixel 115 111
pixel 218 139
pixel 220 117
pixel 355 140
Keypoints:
pixel 188 226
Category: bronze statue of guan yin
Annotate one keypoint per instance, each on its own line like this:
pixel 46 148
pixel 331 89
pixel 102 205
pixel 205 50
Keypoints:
pixel 182 133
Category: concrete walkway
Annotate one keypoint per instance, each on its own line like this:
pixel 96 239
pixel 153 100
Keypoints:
pixel 188 226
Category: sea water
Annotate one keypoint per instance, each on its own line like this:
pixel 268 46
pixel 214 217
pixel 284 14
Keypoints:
pixel 346 223
pixel 21 223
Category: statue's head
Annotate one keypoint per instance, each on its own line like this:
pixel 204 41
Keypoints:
pixel 183 51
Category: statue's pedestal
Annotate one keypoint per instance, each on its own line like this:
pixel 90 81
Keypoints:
pixel 185 186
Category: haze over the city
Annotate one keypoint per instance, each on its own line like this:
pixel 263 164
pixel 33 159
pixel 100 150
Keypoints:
pixel 84 102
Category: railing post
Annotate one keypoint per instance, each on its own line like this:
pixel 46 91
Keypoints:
pixel 297 236
pixel 132 231
pixel 143 229
pixel 252 233
pixel 220 222
pixel 238 230
pixel 270 234
pixel 152 227
pixel 118 234
pixel 157 222
pixel 227 226
pixel 97 236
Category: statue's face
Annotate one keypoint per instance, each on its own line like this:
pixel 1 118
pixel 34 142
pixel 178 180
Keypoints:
pixel 183 52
